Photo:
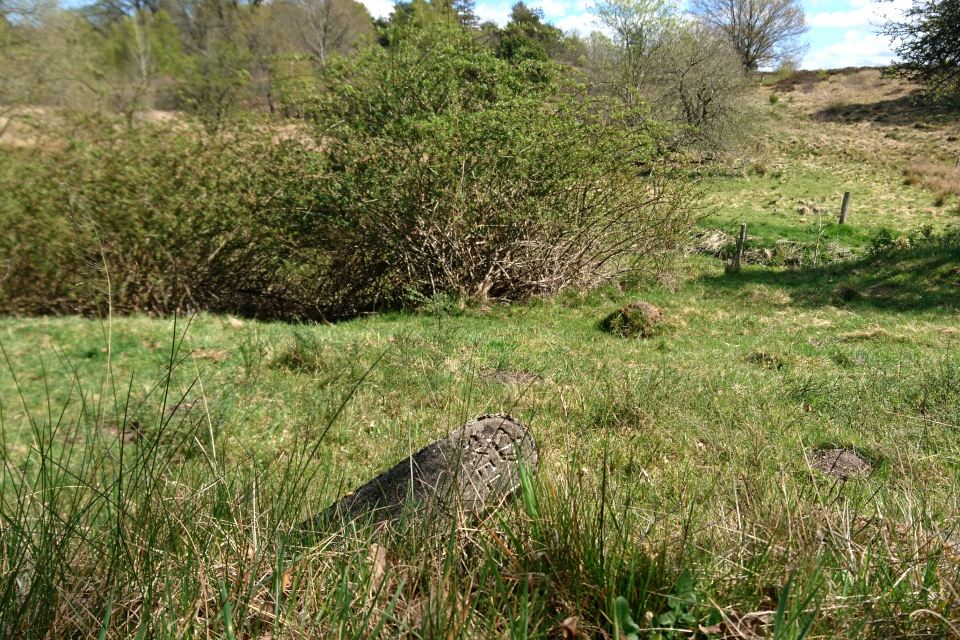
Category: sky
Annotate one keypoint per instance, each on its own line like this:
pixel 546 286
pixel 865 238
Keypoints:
pixel 842 33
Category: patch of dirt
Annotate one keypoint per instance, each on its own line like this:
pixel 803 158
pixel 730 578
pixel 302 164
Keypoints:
pixel 182 408
pixel 846 292
pixel 510 377
pixel 128 435
pixel 840 463
pixel 882 290
pixel 210 354
pixel 807 77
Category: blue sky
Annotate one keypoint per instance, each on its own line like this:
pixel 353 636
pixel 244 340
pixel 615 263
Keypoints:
pixel 842 34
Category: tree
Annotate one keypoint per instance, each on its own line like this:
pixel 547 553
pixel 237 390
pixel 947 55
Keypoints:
pixel 528 37
pixel 639 29
pixel 763 32
pixel 214 83
pixel 697 82
pixel 927 42
pixel 465 10
pixel 686 71
pixel 332 26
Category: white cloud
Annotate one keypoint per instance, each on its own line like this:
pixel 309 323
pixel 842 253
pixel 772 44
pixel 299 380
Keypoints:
pixel 858 49
pixel 867 13
pixel 378 8
pixel 552 8
pixel 583 23
pixel 857 18
pixel 499 13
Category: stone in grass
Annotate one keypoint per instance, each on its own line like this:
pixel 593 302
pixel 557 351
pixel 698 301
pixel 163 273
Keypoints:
pixel 634 319
pixel 840 463
pixel 475 465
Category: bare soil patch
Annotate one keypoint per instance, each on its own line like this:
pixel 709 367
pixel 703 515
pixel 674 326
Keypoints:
pixel 840 463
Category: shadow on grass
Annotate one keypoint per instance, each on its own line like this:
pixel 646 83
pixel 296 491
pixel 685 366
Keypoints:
pixel 925 278
pixel 909 110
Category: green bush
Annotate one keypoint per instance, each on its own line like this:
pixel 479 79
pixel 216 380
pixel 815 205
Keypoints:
pixel 432 167
pixel 450 170
pixel 161 217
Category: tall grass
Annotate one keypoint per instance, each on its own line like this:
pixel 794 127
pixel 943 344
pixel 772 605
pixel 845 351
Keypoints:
pixel 123 521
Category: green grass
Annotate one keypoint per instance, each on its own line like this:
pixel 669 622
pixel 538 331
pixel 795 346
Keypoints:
pixel 798 200
pixel 155 470
pixel 700 442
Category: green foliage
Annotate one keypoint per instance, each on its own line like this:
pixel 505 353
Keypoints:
pixel 683 600
pixel 214 83
pixel 927 42
pixel 518 47
pixel 443 169
pixel 527 37
pixel 146 44
pixel 451 170
pixel 625 622
pixel 161 217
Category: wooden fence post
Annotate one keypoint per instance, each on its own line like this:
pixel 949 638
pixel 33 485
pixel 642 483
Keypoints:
pixel 740 241
pixel 843 207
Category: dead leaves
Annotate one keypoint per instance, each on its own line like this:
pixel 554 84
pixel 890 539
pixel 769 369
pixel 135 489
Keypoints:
pixel 380 561
pixel 738 625
pixel 570 631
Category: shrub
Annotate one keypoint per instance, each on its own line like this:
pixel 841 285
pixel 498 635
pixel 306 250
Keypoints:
pixel 433 167
pixel 450 170
pixel 881 242
pixel 169 218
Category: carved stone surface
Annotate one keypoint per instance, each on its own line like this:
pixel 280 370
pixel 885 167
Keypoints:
pixel 474 465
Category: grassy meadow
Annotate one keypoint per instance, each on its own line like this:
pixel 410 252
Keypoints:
pixel 166 462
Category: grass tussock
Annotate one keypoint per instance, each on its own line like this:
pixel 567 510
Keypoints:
pixel 943 180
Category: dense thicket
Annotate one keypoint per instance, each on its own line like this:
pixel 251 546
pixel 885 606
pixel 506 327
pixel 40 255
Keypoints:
pixel 295 158
pixel 160 217
pixel 430 166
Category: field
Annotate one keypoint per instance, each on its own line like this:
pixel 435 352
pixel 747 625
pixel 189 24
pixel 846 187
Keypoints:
pixel 687 485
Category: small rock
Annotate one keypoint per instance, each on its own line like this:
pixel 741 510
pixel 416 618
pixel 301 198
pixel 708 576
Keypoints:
pixel 475 465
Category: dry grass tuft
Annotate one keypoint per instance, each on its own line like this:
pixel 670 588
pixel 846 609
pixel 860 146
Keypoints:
pixel 942 179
